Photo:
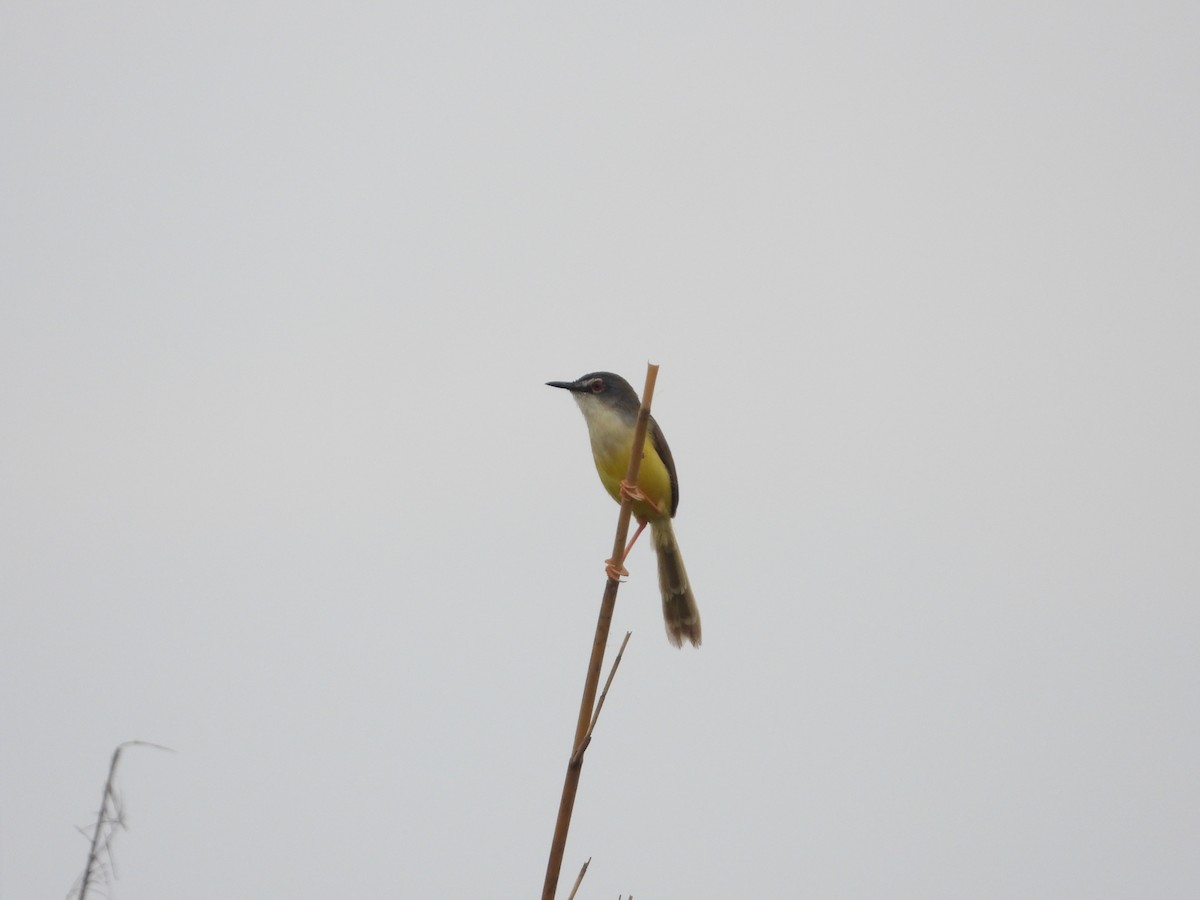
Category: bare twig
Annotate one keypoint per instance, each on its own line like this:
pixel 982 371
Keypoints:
pixel 607 604
pixel 579 879
pixel 587 738
pixel 108 820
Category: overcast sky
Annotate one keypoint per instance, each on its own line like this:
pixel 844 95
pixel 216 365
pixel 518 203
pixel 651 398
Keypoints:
pixel 281 486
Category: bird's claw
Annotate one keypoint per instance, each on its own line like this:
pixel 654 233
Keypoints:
pixel 633 492
pixel 615 571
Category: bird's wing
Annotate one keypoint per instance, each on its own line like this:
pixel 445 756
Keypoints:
pixel 664 452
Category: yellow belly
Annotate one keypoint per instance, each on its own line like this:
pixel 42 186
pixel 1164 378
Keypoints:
pixel 653 479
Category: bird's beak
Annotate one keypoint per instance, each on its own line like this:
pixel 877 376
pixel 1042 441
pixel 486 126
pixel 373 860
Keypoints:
pixel 566 385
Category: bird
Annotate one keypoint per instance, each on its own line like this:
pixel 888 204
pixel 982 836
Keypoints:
pixel 610 407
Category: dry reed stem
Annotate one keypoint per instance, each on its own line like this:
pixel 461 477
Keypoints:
pixel 579 879
pixel 108 819
pixel 558 844
pixel 587 738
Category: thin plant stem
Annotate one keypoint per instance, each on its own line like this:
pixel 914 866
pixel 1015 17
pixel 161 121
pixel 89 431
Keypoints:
pixel 587 738
pixel 608 602
pixel 106 820
pixel 579 879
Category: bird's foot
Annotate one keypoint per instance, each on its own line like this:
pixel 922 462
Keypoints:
pixel 615 571
pixel 633 492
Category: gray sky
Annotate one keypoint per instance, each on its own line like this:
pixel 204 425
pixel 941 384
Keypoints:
pixel 283 489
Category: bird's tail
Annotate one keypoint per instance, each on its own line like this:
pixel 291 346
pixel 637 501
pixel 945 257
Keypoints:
pixel 680 613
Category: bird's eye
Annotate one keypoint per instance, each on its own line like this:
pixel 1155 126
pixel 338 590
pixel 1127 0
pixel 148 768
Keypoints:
pixel 597 385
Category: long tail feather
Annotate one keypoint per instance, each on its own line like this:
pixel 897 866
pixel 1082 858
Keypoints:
pixel 680 613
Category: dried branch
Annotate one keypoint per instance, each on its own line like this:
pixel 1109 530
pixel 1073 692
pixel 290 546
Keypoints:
pixel 579 879
pixel 587 738
pixel 558 844
pixel 108 820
